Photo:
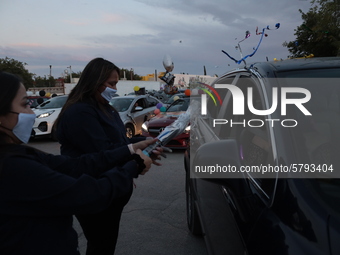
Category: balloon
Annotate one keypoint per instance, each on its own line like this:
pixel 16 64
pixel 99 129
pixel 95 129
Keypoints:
pixel 48 94
pixel 42 93
pixel 163 109
pixel 159 105
pixel 194 92
pixel 136 88
pixel 176 98
pixel 277 26
pixel 167 63
pixel 156 111
pixel 187 92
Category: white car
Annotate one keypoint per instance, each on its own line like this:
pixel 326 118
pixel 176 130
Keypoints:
pixel 134 111
pixel 47 114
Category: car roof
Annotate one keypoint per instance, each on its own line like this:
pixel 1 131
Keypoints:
pixel 133 96
pixel 299 64
pixel 278 66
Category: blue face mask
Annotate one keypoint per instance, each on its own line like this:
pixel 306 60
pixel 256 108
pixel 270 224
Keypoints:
pixel 23 128
pixel 108 93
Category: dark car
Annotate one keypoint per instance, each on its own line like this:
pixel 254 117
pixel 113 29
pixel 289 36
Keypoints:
pixel 262 172
pixel 156 125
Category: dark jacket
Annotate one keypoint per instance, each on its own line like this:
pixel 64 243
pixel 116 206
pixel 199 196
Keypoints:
pixel 83 128
pixel 40 192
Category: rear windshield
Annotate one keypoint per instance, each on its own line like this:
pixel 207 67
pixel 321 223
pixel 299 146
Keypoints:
pixel 55 102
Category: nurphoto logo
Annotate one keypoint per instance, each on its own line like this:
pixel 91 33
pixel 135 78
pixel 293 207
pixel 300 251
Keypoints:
pixel 239 103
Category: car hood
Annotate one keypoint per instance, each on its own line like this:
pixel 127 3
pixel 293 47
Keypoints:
pixel 162 119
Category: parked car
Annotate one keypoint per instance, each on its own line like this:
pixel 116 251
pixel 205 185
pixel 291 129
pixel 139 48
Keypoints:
pixel 156 125
pixel 283 212
pixel 47 114
pixel 34 101
pixel 161 95
pixel 134 111
pixel 172 98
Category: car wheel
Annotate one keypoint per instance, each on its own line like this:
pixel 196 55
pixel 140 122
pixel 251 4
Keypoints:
pixel 130 131
pixel 193 220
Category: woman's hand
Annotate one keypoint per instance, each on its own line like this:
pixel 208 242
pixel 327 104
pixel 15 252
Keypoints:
pixel 156 153
pixel 147 161
pixel 143 144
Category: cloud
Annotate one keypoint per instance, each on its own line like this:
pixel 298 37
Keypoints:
pixel 138 33
pixel 75 22
pixel 111 18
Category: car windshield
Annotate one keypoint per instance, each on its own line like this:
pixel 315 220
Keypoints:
pixel 316 138
pixel 172 98
pixel 34 102
pixel 55 102
pixel 121 104
pixel 178 106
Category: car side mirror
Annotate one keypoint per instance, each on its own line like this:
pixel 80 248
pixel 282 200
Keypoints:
pixel 223 153
pixel 138 108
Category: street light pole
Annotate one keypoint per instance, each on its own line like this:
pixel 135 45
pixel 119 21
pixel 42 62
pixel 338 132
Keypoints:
pixel 49 80
pixel 70 74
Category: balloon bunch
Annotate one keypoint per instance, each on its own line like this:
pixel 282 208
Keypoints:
pixel 159 108
pixel 262 33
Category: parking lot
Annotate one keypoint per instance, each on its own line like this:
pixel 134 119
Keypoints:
pixel 154 221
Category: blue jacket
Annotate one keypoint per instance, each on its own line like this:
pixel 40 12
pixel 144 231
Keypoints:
pixel 40 192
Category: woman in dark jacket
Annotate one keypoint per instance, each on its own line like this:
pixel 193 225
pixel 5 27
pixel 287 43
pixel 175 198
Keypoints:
pixel 88 123
pixel 40 192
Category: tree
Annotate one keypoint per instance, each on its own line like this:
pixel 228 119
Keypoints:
pixel 129 74
pixel 44 82
pixel 16 67
pixel 319 34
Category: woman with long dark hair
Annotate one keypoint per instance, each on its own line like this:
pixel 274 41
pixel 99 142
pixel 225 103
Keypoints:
pixel 88 123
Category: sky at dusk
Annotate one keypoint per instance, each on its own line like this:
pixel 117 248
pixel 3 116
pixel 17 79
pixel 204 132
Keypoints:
pixel 137 34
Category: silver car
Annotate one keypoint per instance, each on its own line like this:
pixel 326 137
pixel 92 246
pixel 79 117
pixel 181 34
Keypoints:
pixel 134 111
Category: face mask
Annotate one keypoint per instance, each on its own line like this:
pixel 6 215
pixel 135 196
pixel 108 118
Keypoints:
pixel 108 93
pixel 23 128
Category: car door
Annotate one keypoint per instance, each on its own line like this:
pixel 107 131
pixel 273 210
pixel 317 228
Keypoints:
pixel 139 116
pixel 230 208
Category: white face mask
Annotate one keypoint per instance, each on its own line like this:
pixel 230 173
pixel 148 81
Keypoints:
pixel 108 93
pixel 23 128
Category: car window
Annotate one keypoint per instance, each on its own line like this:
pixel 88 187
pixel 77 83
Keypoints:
pixel 254 142
pixel 151 102
pixel 121 104
pixel 224 111
pixel 178 105
pixel 172 98
pixel 56 102
pixel 317 137
pixel 253 137
pixel 141 102
pixel 34 102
